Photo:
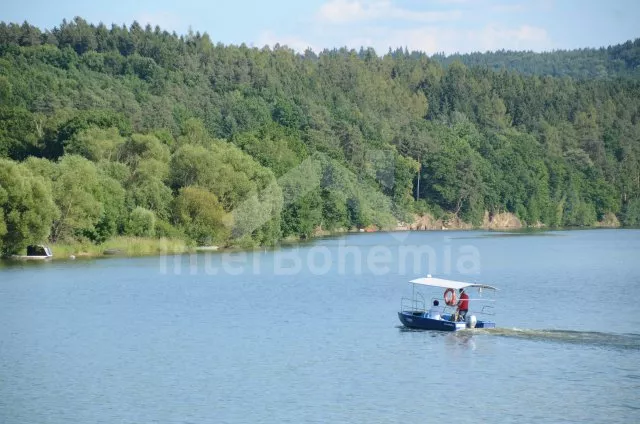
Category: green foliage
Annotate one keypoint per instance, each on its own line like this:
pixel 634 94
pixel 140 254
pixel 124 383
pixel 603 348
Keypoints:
pixel 242 146
pixel 222 168
pixel 404 171
pixel 334 210
pixel 83 121
pixel 302 210
pixel 455 178
pixel 578 213
pixel 273 147
pixel 258 217
pixel 200 216
pixel 141 223
pixel 194 132
pixel 141 147
pixel 358 214
pixel 18 133
pixel 165 230
pixel 116 170
pixel 26 208
pixel 112 197
pixel 303 215
pixel 96 144
pixel 618 60
pixel 76 185
pixel 152 194
pixel 631 215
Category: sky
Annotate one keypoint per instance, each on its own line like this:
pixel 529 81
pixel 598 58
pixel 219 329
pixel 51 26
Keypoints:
pixel 431 26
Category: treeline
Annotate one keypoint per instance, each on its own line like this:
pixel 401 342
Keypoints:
pixel 131 130
pixel 621 60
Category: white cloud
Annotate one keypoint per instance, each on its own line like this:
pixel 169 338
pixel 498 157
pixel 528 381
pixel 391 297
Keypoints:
pixel 509 8
pixel 383 24
pixel 432 40
pixel 428 39
pixel 349 11
pixel 455 1
pixel 525 37
pixel 490 37
pixel 381 39
pixel 342 11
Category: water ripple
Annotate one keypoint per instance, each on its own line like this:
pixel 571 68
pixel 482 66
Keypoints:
pixel 587 338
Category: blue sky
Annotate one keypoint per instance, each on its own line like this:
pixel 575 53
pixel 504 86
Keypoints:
pixel 432 26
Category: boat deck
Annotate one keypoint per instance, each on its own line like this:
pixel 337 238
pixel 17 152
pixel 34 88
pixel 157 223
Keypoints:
pixel 421 320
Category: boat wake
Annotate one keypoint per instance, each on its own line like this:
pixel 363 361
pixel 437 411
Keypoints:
pixel 589 338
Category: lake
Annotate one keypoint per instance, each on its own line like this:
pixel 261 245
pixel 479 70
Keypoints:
pixel 310 333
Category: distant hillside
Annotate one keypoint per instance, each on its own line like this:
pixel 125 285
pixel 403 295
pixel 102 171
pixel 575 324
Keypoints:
pixel 135 131
pixel 621 60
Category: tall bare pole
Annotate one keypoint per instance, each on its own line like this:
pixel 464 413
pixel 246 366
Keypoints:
pixel 418 188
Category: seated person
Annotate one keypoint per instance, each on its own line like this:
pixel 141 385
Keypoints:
pixel 435 311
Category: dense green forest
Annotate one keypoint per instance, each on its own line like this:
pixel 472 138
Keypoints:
pixel 108 131
pixel 622 60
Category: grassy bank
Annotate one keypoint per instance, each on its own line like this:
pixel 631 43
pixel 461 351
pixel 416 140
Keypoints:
pixel 124 246
pixel 139 246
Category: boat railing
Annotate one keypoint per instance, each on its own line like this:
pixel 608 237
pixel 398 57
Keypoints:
pixel 414 304
pixel 486 309
pixel 481 307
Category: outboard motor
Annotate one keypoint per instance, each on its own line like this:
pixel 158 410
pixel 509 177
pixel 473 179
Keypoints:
pixel 471 321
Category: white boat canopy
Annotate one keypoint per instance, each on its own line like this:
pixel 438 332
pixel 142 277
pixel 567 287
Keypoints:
pixel 448 284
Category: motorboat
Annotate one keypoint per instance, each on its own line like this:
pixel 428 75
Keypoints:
pixel 442 314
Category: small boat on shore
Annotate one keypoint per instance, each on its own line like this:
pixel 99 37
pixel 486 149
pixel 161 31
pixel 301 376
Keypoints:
pixel 414 313
pixel 35 253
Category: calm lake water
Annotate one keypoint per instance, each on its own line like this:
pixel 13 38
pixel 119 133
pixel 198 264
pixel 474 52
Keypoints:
pixel 310 333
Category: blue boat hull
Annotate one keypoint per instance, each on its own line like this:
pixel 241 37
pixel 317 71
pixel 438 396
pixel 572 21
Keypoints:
pixel 419 320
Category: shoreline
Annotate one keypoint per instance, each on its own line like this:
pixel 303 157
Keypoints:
pixel 119 247
pixel 131 247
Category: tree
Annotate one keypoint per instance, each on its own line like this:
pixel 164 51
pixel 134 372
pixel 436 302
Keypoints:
pixel 454 177
pixel 140 147
pixel 405 170
pixel 96 143
pixel 141 223
pixel 111 196
pixel 27 209
pixel 632 213
pixel 359 215
pixel 273 147
pixel 303 215
pixel 552 137
pixel 222 168
pixel 199 214
pixel 83 120
pixel 75 187
pixel 152 194
pixel 334 210
pixel 18 134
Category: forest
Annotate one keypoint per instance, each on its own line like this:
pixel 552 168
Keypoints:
pixel 622 60
pixel 109 131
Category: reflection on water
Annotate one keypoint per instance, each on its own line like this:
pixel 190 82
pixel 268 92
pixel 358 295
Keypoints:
pixel 514 233
pixel 459 339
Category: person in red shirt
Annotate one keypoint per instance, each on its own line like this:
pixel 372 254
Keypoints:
pixel 463 305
